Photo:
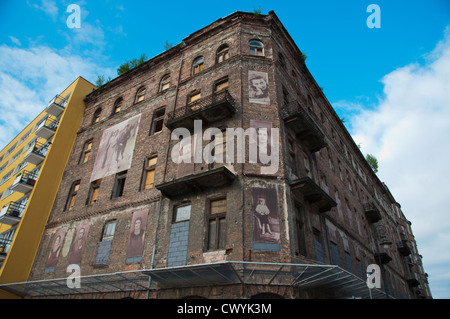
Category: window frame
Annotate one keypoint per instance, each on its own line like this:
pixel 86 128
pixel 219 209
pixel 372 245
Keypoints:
pixel 157 120
pixel 72 196
pixel 216 217
pixel 94 188
pixel 110 236
pixel 140 95
pixel 198 65
pixel 117 107
pixel 165 80
pixel 148 169
pixel 256 45
pixel 119 184
pixel 96 115
pixel 222 53
pixel 86 151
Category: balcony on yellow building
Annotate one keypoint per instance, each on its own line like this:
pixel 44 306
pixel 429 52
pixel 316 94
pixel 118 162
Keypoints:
pixel 25 181
pixel 37 153
pixel 56 106
pixel 5 244
pixel 48 127
pixel 11 213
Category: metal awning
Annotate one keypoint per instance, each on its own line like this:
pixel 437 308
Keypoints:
pixel 329 278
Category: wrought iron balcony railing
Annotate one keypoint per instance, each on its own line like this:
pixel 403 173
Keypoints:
pixel 210 109
pixel 296 117
pixel 11 213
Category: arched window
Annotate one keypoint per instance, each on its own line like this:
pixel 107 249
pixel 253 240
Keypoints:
pixel 222 53
pixel 165 83
pixel 96 117
pixel 117 105
pixel 140 94
pixel 256 48
pixel 197 65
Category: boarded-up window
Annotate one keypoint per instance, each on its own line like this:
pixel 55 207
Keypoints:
pixel 149 172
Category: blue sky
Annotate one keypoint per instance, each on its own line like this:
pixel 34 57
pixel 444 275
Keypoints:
pixel 391 84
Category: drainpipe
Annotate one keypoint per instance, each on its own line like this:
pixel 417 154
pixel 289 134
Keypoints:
pixel 164 178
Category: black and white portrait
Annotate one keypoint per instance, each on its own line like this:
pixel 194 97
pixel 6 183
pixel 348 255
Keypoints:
pixel 258 86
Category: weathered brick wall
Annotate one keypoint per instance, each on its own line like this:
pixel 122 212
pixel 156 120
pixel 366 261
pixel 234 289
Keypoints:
pixel 344 224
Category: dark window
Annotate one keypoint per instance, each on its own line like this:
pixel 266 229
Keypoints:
pixel 72 195
pixel 93 192
pixel 119 184
pixel 96 117
pixel 318 246
pixel 335 254
pixel 158 121
pixel 117 106
pixel 86 153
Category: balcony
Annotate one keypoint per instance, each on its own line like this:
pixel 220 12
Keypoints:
pixel 48 127
pixel 371 212
pixel 296 118
pixel 199 182
pixel 312 193
pixel 37 153
pixel 209 109
pixel 11 213
pixel 56 106
pixel 382 257
pixel 412 282
pixel 5 244
pixel 24 182
pixel 403 248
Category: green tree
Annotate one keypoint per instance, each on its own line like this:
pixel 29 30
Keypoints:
pixel 129 65
pixel 373 162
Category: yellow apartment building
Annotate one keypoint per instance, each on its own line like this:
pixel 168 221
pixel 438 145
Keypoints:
pixel 31 168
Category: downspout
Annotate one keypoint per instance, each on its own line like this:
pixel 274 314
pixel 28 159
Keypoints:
pixel 164 178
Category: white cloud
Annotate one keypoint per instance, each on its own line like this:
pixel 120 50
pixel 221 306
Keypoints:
pixel 29 78
pixel 409 133
pixel 47 6
pixel 15 40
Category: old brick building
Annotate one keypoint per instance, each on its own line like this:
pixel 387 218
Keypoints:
pixel 140 225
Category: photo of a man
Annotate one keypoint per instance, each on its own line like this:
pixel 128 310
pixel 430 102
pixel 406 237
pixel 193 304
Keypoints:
pixel 55 249
pixel 79 243
pixel 258 87
pixel 137 234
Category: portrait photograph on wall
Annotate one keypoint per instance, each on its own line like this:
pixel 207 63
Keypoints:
pixel 55 249
pixel 137 236
pixel 266 219
pixel 258 87
pixel 79 243
pixel 116 148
